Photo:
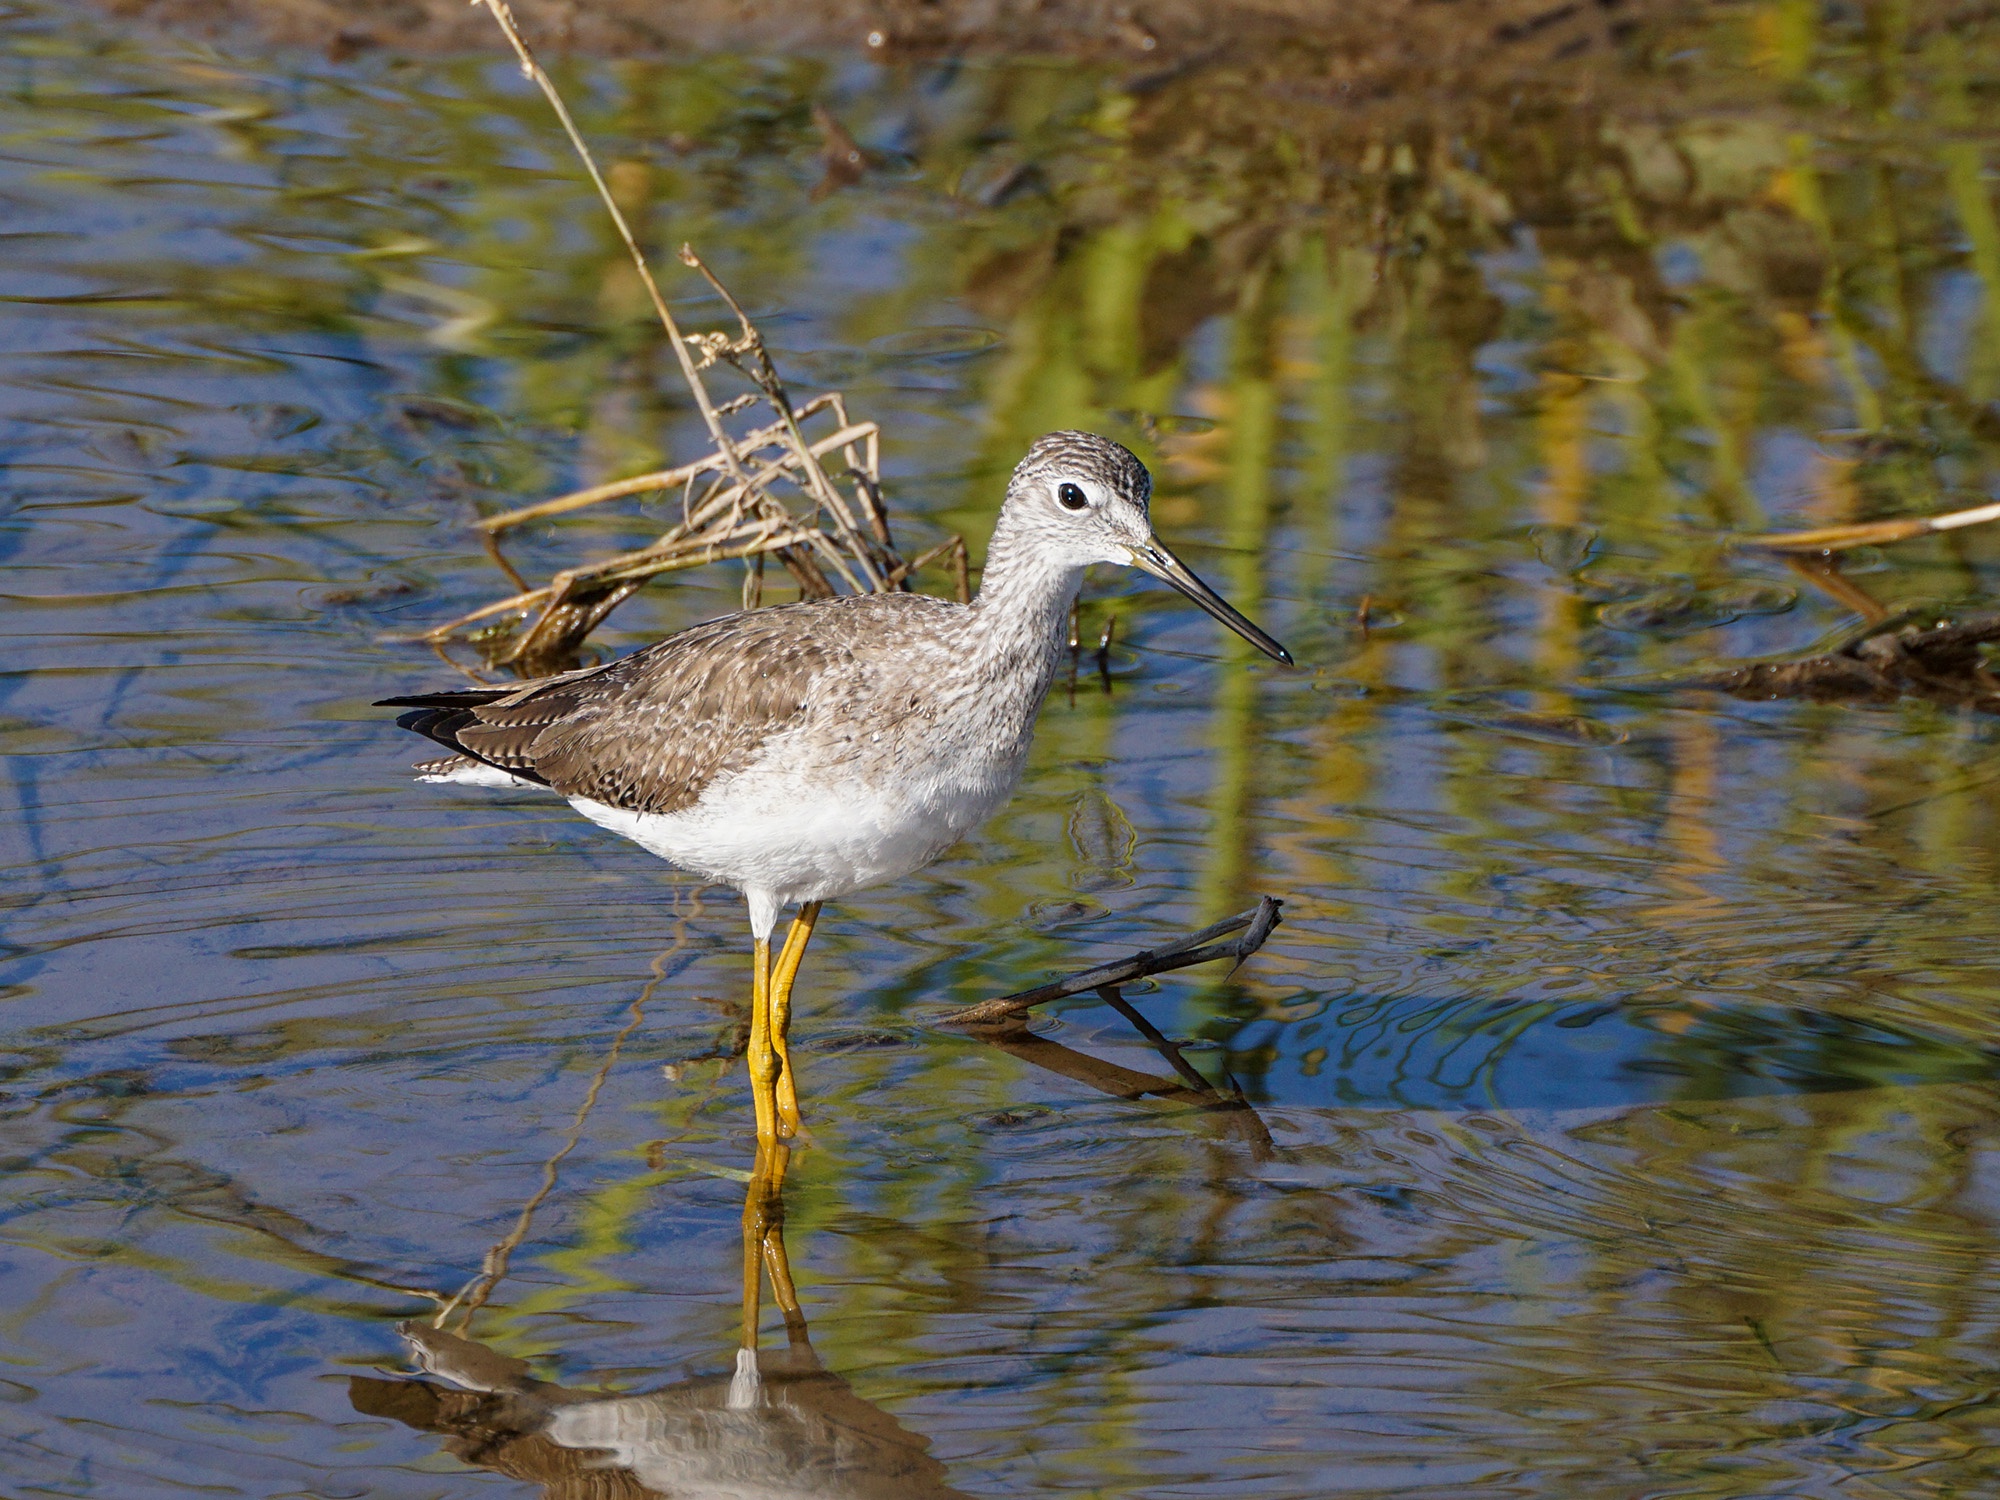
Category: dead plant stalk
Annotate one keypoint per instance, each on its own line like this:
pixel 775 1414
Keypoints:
pixel 729 505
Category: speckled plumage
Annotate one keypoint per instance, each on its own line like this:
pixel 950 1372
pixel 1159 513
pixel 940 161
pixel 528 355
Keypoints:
pixel 811 749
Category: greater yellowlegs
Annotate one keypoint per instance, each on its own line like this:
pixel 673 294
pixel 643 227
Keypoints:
pixel 809 750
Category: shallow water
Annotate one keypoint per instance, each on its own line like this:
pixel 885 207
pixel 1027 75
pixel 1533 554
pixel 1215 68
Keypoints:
pixel 1625 1055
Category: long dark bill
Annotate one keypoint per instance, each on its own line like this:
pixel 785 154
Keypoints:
pixel 1163 565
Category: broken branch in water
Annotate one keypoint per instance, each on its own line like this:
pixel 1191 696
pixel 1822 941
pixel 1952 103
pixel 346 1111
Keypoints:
pixel 1879 662
pixel 1197 948
pixel 731 502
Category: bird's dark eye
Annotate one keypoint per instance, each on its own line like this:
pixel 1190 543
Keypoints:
pixel 1073 497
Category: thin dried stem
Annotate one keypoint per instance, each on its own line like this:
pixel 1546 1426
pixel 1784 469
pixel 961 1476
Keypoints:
pixel 729 507
pixel 532 70
pixel 1870 533
pixel 493 1270
pixel 762 373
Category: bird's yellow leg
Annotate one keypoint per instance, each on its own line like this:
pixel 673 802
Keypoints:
pixel 770 1182
pixel 763 1057
pixel 773 1094
pixel 764 1250
pixel 755 1217
pixel 785 972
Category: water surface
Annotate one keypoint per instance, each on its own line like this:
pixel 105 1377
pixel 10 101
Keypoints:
pixel 1625 1056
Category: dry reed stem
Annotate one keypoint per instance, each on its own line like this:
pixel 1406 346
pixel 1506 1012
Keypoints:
pixel 750 345
pixel 532 70
pixel 1870 533
pixel 736 515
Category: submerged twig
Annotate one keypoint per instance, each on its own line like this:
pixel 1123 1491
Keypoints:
pixel 493 1269
pixel 1883 656
pixel 1101 656
pixel 1197 948
pixel 1232 1112
pixel 1822 571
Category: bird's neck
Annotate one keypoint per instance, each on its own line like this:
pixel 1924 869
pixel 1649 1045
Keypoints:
pixel 1022 610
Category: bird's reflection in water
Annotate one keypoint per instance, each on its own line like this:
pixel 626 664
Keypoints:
pixel 781 1427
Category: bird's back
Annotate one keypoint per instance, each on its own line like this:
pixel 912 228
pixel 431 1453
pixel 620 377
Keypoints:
pixel 649 732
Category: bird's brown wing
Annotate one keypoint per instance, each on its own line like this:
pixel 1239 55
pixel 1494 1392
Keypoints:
pixel 648 732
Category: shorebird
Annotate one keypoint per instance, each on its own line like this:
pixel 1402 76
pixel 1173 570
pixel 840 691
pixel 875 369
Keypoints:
pixel 809 750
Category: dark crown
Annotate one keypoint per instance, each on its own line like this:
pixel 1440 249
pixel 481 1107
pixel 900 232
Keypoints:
pixel 1085 455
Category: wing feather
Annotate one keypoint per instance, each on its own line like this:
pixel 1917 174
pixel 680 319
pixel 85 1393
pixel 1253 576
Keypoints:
pixel 650 731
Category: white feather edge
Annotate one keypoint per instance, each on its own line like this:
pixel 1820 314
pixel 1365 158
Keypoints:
pixel 478 773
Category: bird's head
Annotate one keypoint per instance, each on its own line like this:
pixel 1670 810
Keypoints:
pixel 1082 499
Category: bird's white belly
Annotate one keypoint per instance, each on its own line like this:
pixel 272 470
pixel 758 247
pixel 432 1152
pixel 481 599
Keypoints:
pixel 806 840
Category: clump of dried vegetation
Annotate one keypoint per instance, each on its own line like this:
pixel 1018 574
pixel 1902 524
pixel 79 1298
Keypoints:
pixel 760 491
pixel 1889 653
pixel 1878 663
